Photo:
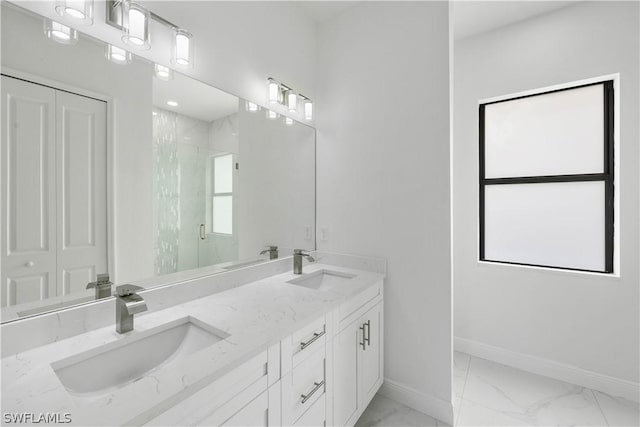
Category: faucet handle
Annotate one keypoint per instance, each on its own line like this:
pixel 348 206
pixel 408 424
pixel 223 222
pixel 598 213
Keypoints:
pixel 126 290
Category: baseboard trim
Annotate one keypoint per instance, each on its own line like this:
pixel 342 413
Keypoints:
pixel 549 368
pixel 425 403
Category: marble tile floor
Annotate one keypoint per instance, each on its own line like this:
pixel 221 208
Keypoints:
pixel 490 394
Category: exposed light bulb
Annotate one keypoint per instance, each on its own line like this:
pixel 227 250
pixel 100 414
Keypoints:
pixel 172 103
pixel 308 110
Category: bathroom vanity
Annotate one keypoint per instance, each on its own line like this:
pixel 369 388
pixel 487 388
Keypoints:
pixel 283 349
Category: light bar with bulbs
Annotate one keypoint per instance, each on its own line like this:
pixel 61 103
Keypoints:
pixel 279 93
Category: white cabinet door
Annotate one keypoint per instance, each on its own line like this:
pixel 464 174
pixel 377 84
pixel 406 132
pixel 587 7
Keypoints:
pixel 345 375
pixel 82 191
pixel 28 192
pixel 370 366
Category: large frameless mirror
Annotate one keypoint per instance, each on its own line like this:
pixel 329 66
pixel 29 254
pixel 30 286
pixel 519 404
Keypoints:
pixel 109 166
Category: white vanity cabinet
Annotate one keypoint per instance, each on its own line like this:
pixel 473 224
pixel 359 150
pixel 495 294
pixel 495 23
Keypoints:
pixel 324 374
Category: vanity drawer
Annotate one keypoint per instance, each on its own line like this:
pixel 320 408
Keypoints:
pixel 303 387
pixel 315 416
pixel 308 340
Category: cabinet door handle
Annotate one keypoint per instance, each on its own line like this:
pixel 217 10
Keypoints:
pixel 316 387
pixel 364 340
pixel 202 234
pixel 368 338
pixel 315 336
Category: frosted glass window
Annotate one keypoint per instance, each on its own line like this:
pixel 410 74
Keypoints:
pixel 547 180
pixel 223 174
pixel 551 224
pixel 557 133
pixel 223 214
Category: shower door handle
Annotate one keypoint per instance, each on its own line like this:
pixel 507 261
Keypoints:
pixel 202 232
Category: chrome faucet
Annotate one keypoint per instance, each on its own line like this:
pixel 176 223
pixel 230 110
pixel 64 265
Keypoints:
pixel 273 252
pixel 102 285
pixel 128 303
pixel 297 260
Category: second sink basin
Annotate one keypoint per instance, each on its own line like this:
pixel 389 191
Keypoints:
pixel 322 279
pixel 111 366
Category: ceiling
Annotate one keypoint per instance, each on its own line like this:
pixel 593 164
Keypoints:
pixel 469 17
pixel 195 99
pixel 321 11
pixel 475 17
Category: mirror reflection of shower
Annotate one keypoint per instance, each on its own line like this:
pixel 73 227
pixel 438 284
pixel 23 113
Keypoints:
pixel 195 163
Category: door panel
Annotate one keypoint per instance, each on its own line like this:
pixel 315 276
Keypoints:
pixel 82 199
pixel 371 355
pixel 345 375
pixel 28 191
pixel 28 288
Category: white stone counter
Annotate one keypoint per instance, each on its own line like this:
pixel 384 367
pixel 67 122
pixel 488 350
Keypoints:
pixel 255 315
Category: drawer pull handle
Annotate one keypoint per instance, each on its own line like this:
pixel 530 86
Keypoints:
pixel 364 339
pixel 368 338
pixel 317 386
pixel 306 344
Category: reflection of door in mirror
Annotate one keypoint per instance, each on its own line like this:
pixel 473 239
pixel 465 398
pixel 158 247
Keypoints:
pixel 54 207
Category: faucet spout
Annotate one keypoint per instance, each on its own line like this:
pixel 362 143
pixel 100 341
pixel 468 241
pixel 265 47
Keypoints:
pixel 128 303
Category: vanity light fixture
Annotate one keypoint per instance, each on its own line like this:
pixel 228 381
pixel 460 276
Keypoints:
pixel 288 121
pixel 272 115
pixel 60 33
pixel 162 72
pixel 137 26
pixel 292 101
pixel 81 10
pixel 117 55
pixel 252 107
pixel 279 93
pixel 182 48
pixel 308 109
pixel 172 103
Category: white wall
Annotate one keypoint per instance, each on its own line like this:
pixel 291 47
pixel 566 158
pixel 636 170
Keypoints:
pixel 383 177
pixel 24 48
pixel 586 321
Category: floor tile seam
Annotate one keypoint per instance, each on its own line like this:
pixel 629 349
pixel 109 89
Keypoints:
pixel 464 385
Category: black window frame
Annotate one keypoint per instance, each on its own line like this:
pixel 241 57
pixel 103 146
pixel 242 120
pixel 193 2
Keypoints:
pixel 607 176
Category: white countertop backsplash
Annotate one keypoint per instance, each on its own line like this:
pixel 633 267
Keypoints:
pixel 254 305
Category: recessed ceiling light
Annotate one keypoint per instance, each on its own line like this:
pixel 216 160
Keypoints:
pixel 172 103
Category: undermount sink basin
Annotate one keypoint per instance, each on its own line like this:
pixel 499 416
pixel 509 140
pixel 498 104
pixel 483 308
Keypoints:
pixel 111 366
pixel 322 279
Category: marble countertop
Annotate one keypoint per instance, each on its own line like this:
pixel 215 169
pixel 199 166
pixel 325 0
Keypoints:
pixel 255 315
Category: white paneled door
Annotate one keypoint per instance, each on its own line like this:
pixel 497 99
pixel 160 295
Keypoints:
pixel 54 221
